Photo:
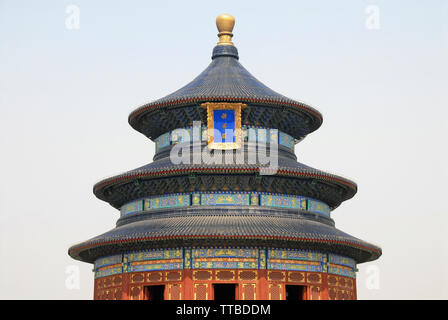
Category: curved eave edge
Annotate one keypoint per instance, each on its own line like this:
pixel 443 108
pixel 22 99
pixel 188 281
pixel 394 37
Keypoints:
pixel 134 116
pixel 74 251
pixel 128 177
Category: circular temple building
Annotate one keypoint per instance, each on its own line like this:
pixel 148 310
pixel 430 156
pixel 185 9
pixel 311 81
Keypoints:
pixel 225 211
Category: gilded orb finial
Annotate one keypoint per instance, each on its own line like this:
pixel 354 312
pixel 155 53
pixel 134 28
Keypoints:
pixel 225 23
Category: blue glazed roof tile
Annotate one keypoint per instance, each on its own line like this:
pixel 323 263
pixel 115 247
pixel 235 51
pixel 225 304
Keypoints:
pixel 225 78
pixel 212 224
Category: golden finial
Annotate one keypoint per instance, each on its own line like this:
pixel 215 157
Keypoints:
pixel 225 23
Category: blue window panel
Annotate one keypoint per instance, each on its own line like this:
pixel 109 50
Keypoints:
pixel 224 126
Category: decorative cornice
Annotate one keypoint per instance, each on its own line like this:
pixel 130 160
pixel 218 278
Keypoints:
pixel 181 102
pixel 219 170
pixel 374 250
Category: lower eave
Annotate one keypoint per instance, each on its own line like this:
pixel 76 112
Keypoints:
pixel 360 253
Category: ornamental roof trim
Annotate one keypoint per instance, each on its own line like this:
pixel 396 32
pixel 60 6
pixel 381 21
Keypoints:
pixel 226 169
pixel 213 226
pixel 225 79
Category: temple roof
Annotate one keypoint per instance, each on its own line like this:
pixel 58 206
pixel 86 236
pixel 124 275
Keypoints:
pixel 197 227
pixel 225 79
pixel 161 176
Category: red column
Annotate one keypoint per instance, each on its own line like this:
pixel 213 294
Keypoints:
pixel 187 285
pixel 95 289
pixel 324 288
pixel 125 286
pixel 262 285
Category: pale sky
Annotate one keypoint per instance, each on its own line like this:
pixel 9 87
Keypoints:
pixel 65 95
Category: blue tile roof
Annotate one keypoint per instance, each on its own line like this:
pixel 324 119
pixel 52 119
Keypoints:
pixel 225 79
pixel 344 188
pixel 210 223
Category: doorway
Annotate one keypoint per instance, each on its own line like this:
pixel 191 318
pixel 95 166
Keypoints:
pixel 224 291
pixel 295 292
pixel 155 293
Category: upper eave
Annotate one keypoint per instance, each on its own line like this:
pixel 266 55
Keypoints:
pixel 226 80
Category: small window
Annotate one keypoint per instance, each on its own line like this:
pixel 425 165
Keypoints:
pixel 155 293
pixel 295 292
pixel 225 291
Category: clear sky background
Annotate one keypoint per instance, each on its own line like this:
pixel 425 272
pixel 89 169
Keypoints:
pixel 65 95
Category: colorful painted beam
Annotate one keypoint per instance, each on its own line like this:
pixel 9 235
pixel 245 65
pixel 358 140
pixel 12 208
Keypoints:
pixel 225 258
pixel 249 133
pixel 179 200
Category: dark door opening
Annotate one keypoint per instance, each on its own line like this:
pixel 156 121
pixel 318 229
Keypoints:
pixel 295 292
pixel 224 291
pixel 155 293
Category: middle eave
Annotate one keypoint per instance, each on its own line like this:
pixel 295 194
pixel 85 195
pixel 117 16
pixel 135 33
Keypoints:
pixel 299 180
